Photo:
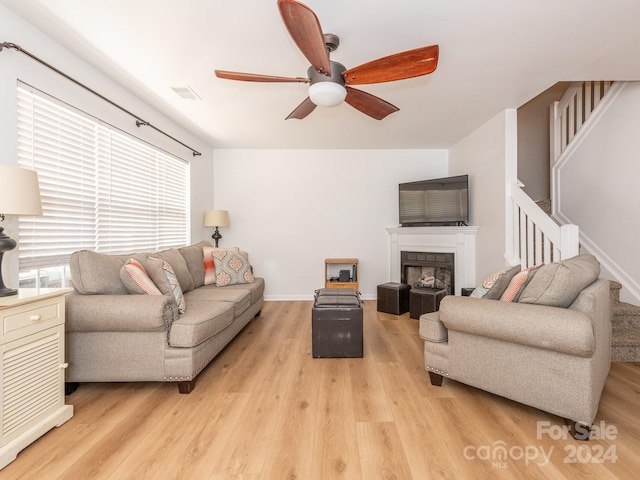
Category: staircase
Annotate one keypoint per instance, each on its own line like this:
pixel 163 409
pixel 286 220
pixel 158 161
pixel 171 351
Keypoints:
pixel 625 328
pixel 625 322
pixel 567 118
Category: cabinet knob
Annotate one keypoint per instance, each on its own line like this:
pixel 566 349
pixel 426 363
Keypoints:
pixel 35 318
pixel 64 365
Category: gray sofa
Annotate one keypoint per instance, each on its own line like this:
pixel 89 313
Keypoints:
pixel 550 350
pixel 113 335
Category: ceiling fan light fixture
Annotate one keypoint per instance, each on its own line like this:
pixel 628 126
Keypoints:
pixel 327 94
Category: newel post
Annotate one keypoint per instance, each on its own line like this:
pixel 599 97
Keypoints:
pixel 569 241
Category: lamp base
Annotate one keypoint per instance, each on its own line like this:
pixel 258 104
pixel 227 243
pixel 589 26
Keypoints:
pixel 6 292
pixel 6 244
pixel 216 236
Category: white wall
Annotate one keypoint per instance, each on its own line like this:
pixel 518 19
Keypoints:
pixel 484 155
pixel 599 189
pixel 15 66
pixel 534 143
pixel 291 209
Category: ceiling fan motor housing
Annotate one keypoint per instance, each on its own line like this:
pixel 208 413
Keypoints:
pixel 327 90
pixel 336 74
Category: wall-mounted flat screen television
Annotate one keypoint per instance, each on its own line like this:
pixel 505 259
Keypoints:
pixel 439 201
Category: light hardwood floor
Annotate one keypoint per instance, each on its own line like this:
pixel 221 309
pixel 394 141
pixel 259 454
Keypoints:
pixel 265 410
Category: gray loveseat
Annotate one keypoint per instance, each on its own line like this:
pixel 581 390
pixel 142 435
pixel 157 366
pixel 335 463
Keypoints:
pixel 551 349
pixel 113 335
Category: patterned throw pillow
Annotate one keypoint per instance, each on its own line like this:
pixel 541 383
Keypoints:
pixel 171 280
pixel 517 284
pixel 209 264
pixel 136 280
pixel 175 286
pixel 232 267
pixel 495 284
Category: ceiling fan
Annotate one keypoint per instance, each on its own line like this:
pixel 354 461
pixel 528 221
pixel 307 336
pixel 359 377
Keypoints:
pixel 330 82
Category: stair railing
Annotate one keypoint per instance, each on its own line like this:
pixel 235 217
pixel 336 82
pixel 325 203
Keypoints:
pixel 568 115
pixel 537 239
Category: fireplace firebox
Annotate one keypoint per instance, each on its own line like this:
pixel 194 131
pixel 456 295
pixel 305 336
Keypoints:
pixel 428 269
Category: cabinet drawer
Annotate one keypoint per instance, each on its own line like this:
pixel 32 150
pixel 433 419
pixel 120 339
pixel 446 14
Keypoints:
pixel 36 315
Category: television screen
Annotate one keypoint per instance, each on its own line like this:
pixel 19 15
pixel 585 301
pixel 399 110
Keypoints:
pixel 440 201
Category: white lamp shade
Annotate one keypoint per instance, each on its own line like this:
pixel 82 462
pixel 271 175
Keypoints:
pixel 19 191
pixel 327 94
pixel 216 218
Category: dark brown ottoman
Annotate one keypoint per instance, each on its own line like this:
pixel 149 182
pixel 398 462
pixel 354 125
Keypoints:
pixel 336 324
pixel 393 297
pixel 425 300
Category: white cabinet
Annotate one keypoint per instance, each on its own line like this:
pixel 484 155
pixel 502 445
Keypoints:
pixel 32 377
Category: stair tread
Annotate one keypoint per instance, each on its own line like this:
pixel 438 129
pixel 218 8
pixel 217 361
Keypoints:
pixel 625 337
pixel 613 285
pixel 622 308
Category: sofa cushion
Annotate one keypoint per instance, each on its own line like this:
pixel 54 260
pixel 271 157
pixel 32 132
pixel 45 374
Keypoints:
pixel 240 298
pixel 558 284
pixel 136 279
pixel 203 320
pixel 495 284
pixel 95 273
pixel 193 257
pixel 255 289
pixel 179 265
pixel 232 267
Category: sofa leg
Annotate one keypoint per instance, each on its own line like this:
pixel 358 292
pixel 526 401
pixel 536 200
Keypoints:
pixel 186 387
pixel 578 430
pixel 436 379
pixel 258 314
pixel 70 387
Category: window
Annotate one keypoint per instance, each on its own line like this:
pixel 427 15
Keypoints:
pixel 101 190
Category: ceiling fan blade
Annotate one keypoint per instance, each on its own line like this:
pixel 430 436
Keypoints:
pixel 369 104
pixel 302 110
pixel 412 63
pixel 304 27
pixel 254 77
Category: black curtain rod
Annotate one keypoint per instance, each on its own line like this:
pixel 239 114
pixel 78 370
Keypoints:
pixel 139 122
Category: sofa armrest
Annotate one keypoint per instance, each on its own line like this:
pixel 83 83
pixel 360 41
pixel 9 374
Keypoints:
pixel 118 313
pixel 431 328
pixel 551 328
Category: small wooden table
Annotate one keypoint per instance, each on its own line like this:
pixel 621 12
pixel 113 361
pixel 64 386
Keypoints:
pixel 332 268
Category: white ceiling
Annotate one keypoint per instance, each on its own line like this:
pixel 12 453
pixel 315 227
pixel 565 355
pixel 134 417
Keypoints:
pixel 494 54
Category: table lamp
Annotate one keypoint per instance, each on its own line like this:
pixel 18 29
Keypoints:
pixel 19 195
pixel 216 218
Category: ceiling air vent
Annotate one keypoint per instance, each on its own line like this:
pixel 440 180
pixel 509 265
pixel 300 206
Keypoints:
pixel 186 92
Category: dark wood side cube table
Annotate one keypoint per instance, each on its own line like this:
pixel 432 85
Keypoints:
pixel 425 300
pixel 393 297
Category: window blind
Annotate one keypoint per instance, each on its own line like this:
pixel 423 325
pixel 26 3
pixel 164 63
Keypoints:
pixel 101 189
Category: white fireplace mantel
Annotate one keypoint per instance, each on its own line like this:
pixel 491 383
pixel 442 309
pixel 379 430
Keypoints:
pixel 458 240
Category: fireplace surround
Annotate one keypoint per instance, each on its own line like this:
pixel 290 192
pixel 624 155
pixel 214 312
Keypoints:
pixel 460 241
